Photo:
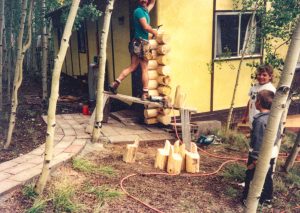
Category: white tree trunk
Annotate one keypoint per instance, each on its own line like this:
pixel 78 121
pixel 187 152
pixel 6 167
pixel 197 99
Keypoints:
pixel 17 77
pixel 44 52
pixel 277 109
pixel 2 23
pixel 102 62
pixel 51 122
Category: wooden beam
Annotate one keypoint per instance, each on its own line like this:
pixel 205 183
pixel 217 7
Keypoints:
pixel 133 99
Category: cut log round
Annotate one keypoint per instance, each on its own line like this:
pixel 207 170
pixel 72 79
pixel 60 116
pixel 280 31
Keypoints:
pixel 161 158
pixel 192 162
pixel 130 152
pixel 163 49
pixel 163 38
pixel 152 64
pixel 182 152
pixel 151 121
pixel 164 111
pixel 150 113
pixel 164 80
pixel 163 60
pixel 174 162
pixel 164 119
pixel 152 84
pixel 154 54
pixel 164 90
pixel 152 74
pixel 164 70
pixel 153 44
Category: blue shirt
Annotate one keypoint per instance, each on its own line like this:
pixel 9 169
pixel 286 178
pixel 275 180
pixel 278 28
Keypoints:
pixel 139 13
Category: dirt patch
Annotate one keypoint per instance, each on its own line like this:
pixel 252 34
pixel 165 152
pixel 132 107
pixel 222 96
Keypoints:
pixel 166 193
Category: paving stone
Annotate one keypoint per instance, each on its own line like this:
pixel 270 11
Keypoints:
pixel 57 151
pixel 67 116
pixel 72 122
pixel 78 127
pixel 3 176
pixel 129 131
pixel 59 131
pixel 155 129
pixel 26 175
pixel 68 138
pixel 81 142
pixel 59 159
pixel 23 158
pixel 19 168
pixel 37 160
pixel 69 131
pixel 7 186
pixel 74 149
pixel 63 144
pixel 7 165
pixel 58 137
pixel 109 131
pixel 65 125
pixel 122 138
pixel 38 151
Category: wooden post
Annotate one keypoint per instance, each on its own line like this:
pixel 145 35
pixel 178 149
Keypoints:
pixel 130 152
pixel 193 160
pixel 186 128
pixel 174 162
pixel 161 158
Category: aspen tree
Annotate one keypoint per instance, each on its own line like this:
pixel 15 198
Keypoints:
pixel 2 23
pixel 44 52
pixel 278 107
pixel 51 122
pixel 102 62
pixel 229 118
pixel 17 77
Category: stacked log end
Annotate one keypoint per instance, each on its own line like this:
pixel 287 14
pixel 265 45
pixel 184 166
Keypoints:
pixel 175 158
pixel 159 78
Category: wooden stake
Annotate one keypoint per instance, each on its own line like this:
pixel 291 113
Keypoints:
pixel 130 152
pixel 193 160
pixel 179 100
pixel 174 162
pixel 182 152
pixel 161 158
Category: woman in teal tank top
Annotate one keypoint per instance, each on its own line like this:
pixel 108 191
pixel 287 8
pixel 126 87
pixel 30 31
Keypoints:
pixel 141 22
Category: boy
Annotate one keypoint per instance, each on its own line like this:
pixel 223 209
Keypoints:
pixel 263 104
pixel 264 77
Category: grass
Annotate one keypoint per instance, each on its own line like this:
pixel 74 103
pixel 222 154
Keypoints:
pixel 231 192
pixel 103 193
pixel 86 166
pixel 28 192
pixel 287 142
pixel 38 206
pixel 234 172
pixel 234 140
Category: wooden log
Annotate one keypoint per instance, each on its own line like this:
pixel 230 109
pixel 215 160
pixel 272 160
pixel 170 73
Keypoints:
pixel 152 74
pixel 153 92
pixel 150 121
pixel 163 38
pixel 154 54
pixel 193 160
pixel 150 113
pixel 163 60
pixel 152 84
pixel 164 80
pixel 164 111
pixel 182 152
pixel 176 146
pixel 163 49
pixel 163 70
pixel 130 152
pixel 164 90
pixel 153 44
pixel 174 162
pixel 161 158
pixel 152 64
pixel 180 97
pixel 164 119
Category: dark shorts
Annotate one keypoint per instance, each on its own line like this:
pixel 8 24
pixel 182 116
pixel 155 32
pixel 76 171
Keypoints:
pixel 140 48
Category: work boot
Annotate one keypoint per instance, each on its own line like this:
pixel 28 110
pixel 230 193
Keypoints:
pixel 145 95
pixel 114 86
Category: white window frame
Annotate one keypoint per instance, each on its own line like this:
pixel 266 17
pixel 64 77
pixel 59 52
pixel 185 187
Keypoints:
pixel 239 35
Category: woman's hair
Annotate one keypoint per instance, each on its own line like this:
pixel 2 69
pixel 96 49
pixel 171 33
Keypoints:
pixel 265 68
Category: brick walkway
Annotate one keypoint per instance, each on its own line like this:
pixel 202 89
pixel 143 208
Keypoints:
pixel 70 139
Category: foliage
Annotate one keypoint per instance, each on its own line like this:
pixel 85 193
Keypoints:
pixel 38 206
pixel 287 142
pixel 28 191
pixel 231 192
pixel 234 172
pixel 277 25
pixel 233 140
pixel 86 166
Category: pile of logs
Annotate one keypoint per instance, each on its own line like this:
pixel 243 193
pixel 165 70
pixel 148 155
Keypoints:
pixel 175 158
pixel 159 78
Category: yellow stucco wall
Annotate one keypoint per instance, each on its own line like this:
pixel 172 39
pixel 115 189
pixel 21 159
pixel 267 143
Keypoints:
pixel 190 26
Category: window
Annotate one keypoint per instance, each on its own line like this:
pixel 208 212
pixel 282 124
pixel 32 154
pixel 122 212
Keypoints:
pixel 233 29
pixel 81 36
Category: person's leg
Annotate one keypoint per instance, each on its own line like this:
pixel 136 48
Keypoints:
pixel 134 63
pixel 248 178
pixel 267 192
pixel 145 79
